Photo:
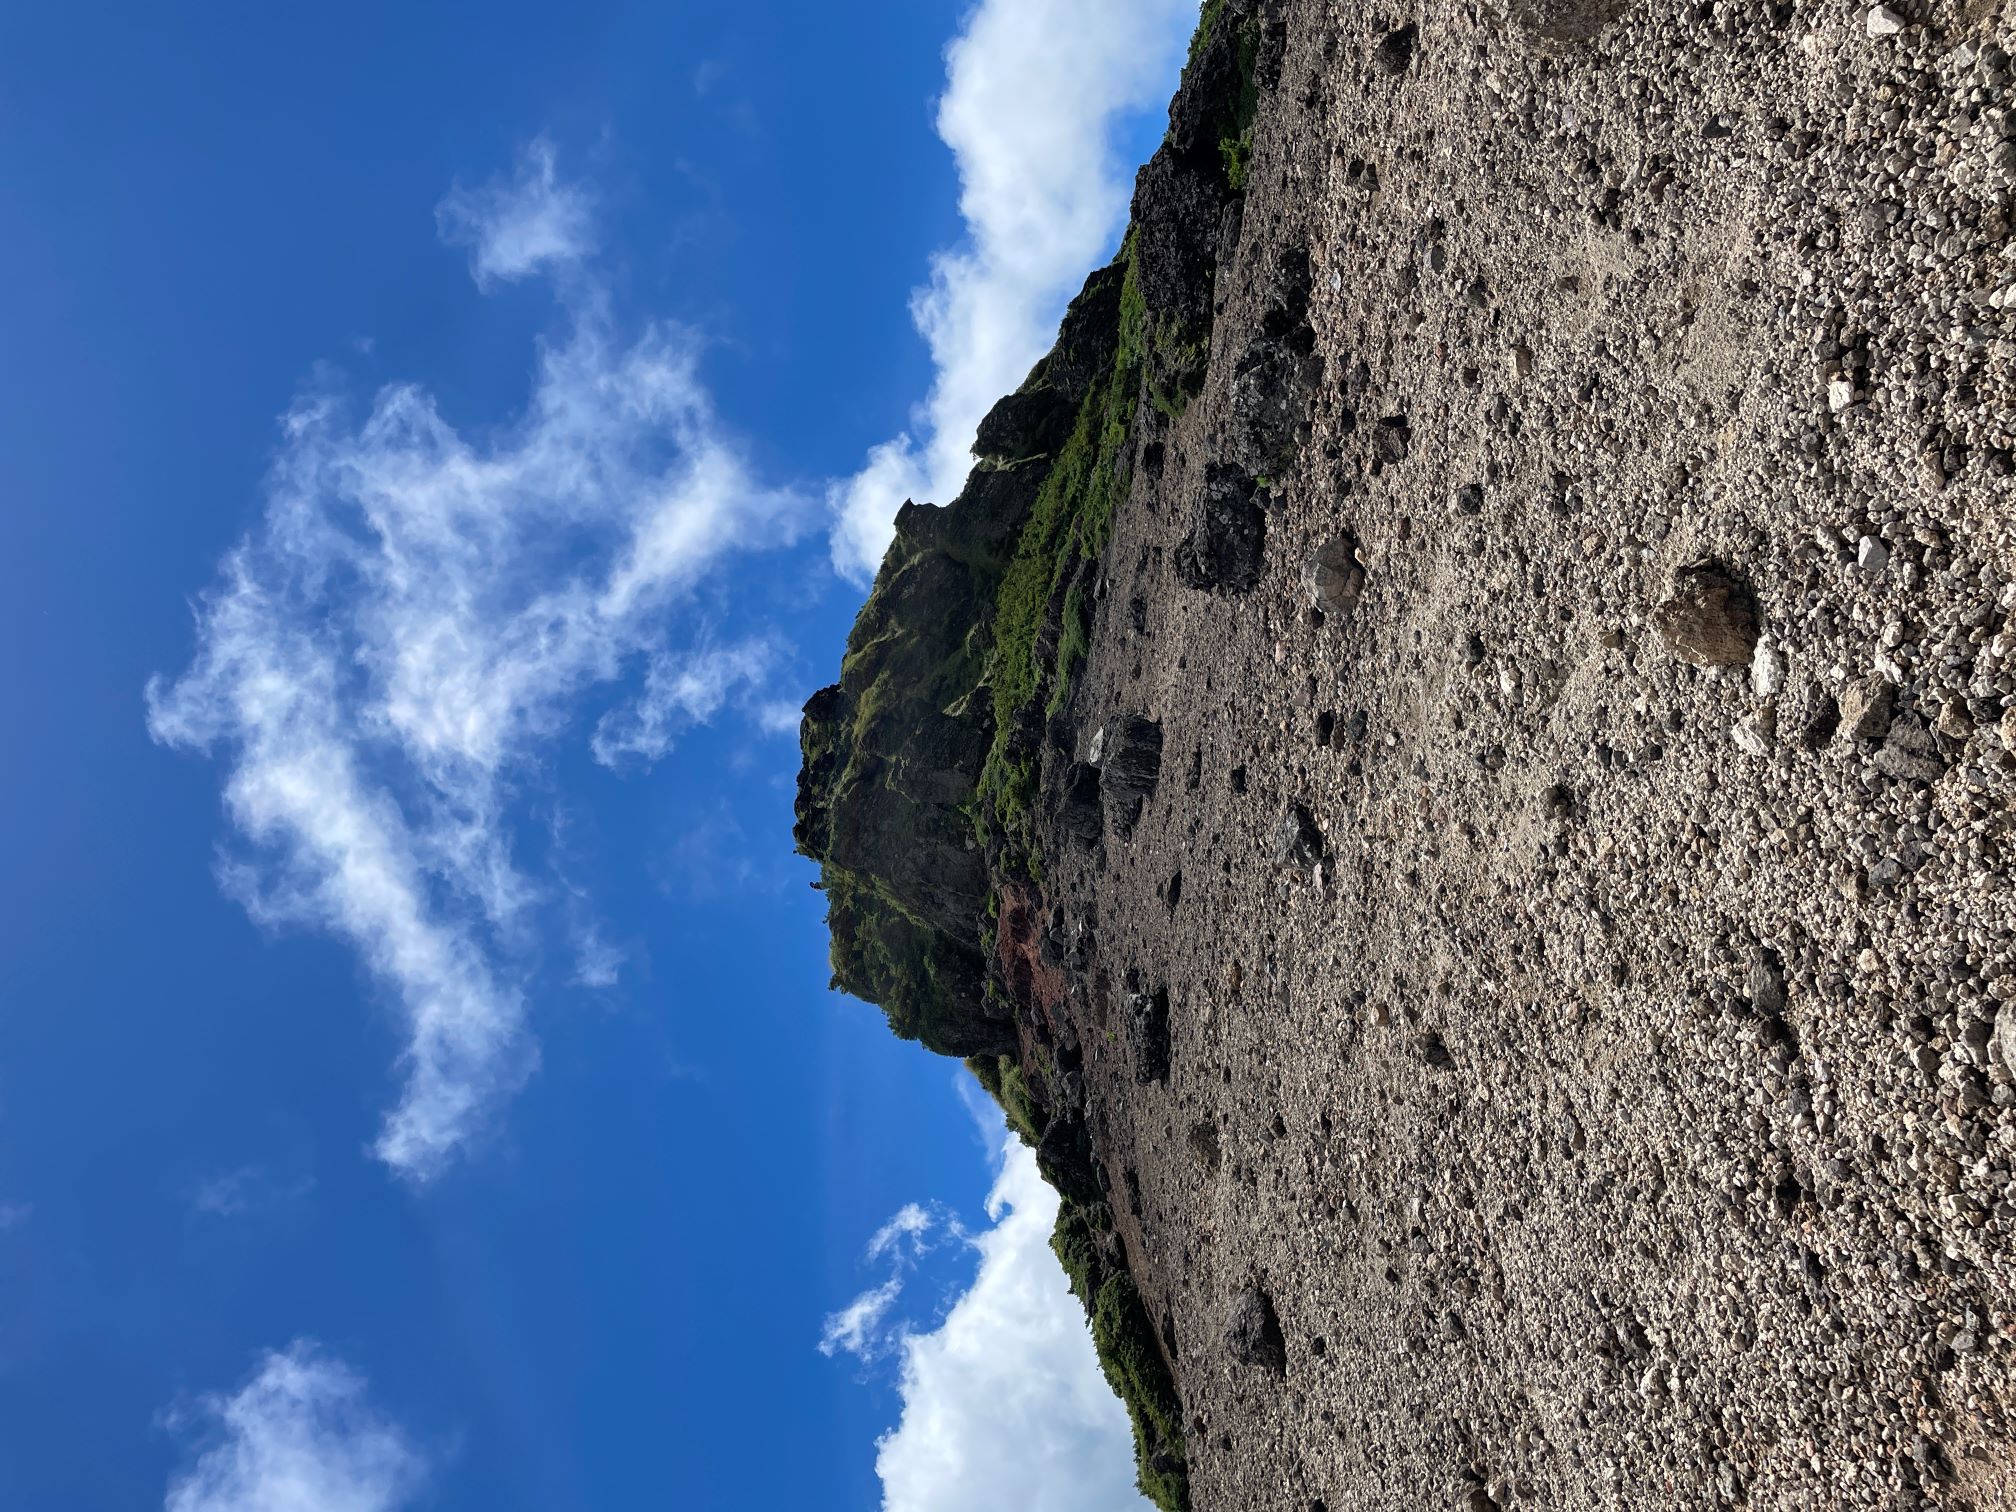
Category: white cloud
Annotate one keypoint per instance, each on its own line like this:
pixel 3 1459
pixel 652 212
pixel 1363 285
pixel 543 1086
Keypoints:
pixel 14 1214
pixel 598 965
pixel 1004 1404
pixel 911 1223
pixel 417 616
pixel 779 716
pixel 298 1437
pixel 518 227
pixel 857 1328
pixel 1034 90
pixel 245 1190
pixel 862 1327
pixel 682 689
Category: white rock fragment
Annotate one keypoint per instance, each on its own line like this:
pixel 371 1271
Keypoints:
pixel 1097 749
pixel 1871 555
pixel 1840 394
pixel 1884 22
pixel 1767 670
pixel 1750 741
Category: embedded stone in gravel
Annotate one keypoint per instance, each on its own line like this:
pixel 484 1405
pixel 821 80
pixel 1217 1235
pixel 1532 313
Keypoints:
pixel 1391 439
pixel 1297 840
pixel 1253 1332
pixel 1204 1145
pixel 1866 709
pixel 1333 577
pixel 1767 670
pixel 1814 717
pixel 1224 548
pixel 1082 815
pixel 1709 619
pixel 1884 22
pixel 1396 50
pixel 1767 983
pixel 1910 753
pixel 1148 1022
pixel 1750 739
pixel 1565 20
pixel 1131 769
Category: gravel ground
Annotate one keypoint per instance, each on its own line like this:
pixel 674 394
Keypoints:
pixel 1579 869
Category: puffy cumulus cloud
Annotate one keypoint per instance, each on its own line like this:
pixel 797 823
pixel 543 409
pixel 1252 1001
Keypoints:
pixel 300 1436
pixel 1034 90
pixel 1004 1404
pixel 419 611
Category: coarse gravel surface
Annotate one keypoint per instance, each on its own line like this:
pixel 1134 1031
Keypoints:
pixel 1579 873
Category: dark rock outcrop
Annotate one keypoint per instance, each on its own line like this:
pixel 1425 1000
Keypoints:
pixel 893 751
pixel 1228 541
pixel 940 778
pixel 1130 768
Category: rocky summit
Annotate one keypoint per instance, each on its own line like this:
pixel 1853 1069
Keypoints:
pixel 1454 765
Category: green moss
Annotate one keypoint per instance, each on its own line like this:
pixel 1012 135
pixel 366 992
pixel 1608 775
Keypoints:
pixel 1072 649
pixel 1129 1354
pixel 1207 23
pixel 1070 524
pixel 1235 137
pixel 883 954
pixel 1004 1082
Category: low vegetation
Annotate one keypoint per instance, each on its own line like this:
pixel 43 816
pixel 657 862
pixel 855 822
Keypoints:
pixel 1067 530
pixel 979 627
pixel 1128 1351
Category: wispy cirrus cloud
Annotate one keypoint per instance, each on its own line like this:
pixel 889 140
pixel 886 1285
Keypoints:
pixel 906 1231
pixel 1034 92
pixel 420 612
pixel 248 1189
pixel 684 689
pixel 520 226
pixel 856 1329
pixel 864 1327
pixel 300 1436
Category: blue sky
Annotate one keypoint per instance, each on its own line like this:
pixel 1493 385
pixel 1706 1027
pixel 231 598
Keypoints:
pixel 441 446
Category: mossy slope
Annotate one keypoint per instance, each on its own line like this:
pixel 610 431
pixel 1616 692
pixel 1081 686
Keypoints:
pixel 922 793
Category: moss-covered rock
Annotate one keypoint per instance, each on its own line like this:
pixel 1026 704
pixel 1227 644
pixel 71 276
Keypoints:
pixel 940 765
pixel 893 752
